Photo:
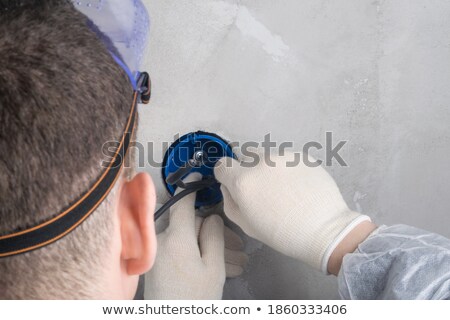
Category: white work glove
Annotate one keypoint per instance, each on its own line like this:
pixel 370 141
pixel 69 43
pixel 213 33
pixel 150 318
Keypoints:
pixel 190 261
pixel 298 210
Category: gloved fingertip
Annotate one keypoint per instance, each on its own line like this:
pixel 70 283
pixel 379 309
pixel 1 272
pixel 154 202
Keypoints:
pixel 232 240
pixel 214 221
pixel 224 170
pixel 238 258
pixel 221 162
pixel 191 177
pixel 233 271
pixel 189 200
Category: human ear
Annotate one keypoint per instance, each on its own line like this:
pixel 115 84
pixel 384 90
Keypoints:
pixel 138 238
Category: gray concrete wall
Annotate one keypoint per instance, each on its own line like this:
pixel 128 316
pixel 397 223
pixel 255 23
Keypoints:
pixel 375 73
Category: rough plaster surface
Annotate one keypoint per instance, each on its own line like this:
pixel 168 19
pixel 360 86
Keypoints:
pixel 375 73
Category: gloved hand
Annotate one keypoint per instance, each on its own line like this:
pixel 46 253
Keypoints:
pixel 297 210
pixel 235 257
pixel 190 262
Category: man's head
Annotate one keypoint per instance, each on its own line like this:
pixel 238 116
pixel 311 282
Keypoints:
pixel 61 98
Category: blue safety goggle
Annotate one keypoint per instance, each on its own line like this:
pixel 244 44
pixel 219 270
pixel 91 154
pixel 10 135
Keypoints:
pixel 123 26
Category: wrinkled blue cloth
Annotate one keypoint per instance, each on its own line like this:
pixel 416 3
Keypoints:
pixel 397 262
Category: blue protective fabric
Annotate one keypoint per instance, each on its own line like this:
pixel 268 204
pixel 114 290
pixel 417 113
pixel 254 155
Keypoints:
pixel 397 262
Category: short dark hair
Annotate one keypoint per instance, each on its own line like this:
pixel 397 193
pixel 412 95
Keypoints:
pixel 62 97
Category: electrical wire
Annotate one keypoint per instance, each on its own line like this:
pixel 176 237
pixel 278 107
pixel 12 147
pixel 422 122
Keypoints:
pixel 188 189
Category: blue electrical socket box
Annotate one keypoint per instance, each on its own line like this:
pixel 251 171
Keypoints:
pixel 184 148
